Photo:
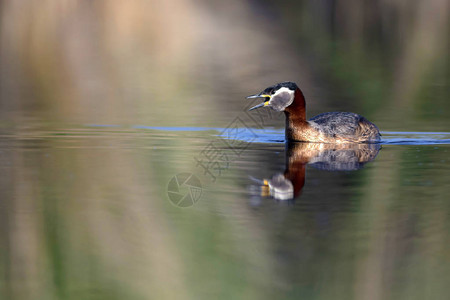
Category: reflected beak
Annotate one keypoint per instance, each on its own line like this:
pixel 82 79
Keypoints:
pixel 265 103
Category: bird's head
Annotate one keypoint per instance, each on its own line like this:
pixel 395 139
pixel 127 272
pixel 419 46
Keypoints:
pixel 278 96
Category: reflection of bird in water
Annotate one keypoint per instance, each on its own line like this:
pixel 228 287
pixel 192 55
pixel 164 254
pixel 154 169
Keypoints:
pixel 329 157
pixel 331 127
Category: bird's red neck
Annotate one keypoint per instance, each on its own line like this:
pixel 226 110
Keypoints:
pixel 296 115
pixel 297 110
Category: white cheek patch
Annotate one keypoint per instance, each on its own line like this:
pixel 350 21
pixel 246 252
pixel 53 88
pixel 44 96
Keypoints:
pixel 282 99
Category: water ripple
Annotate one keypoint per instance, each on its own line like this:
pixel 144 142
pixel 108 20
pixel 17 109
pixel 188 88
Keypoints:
pixel 272 135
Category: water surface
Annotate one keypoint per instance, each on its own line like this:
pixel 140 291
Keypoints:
pixel 87 200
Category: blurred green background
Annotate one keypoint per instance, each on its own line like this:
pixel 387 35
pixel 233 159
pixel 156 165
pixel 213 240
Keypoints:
pixel 188 63
pixel 84 212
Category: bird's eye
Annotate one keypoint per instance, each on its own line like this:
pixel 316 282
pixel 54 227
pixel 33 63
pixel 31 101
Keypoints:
pixel 272 92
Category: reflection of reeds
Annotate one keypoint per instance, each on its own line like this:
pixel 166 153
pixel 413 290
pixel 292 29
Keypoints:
pixel 83 221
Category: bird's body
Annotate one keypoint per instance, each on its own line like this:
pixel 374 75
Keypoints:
pixel 334 127
pixel 330 127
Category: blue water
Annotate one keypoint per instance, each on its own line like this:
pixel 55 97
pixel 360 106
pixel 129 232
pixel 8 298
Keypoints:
pixel 90 206
pixel 272 135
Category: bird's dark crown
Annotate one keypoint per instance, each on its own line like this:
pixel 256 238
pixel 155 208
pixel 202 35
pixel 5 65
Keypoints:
pixel 272 89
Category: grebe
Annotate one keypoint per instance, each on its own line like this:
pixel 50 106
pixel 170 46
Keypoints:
pixel 330 127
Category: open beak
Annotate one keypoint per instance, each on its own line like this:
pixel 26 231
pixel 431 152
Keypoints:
pixel 265 103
